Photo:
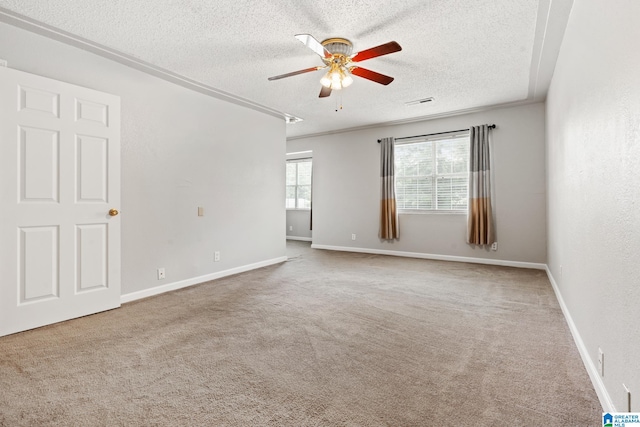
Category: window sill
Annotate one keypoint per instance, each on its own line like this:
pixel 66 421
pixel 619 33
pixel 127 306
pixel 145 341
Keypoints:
pixel 298 209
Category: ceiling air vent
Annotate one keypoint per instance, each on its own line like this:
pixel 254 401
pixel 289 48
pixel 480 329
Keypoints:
pixel 419 101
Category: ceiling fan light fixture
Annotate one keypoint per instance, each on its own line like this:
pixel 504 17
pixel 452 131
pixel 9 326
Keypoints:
pixel 326 81
pixel 332 80
pixel 347 80
pixel 337 78
pixel 336 85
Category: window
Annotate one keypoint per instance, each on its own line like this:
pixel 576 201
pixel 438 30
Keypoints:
pixel 298 184
pixel 433 174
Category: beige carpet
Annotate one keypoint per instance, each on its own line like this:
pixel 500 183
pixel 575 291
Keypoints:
pixel 325 339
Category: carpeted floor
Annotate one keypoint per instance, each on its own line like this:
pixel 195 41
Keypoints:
pixel 325 339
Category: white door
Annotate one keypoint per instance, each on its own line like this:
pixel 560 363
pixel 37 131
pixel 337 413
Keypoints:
pixel 59 178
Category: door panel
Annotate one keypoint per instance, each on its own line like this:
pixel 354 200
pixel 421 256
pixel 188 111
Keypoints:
pixel 38 254
pixel 92 257
pixel 39 101
pixel 91 166
pixel 92 112
pixel 59 177
pixel 39 165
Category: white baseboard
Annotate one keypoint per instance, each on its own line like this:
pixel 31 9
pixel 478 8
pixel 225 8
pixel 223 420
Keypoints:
pixel 302 239
pixel 592 370
pixel 505 263
pixel 197 280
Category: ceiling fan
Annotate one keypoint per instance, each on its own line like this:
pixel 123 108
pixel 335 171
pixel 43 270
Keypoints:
pixel 337 57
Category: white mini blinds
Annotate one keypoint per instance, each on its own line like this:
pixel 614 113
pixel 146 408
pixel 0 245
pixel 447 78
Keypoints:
pixel 432 173
pixel 298 184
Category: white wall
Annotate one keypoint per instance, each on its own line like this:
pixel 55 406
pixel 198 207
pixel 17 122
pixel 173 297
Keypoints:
pixel 300 221
pixel 346 188
pixel 593 162
pixel 180 150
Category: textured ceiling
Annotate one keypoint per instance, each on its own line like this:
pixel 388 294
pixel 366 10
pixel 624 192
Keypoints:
pixel 466 54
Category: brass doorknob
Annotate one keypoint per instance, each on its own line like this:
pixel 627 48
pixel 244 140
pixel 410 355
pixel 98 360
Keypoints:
pixel 113 212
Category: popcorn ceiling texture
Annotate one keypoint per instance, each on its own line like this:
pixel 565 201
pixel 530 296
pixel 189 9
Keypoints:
pixel 465 54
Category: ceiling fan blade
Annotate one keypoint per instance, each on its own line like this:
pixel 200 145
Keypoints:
pixel 383 49
pixel 295 73
pixel 371 75
pixel 313 44
pixel 324 92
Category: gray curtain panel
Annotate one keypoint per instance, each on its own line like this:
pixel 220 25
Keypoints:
pixel 480 230
pixel 389 229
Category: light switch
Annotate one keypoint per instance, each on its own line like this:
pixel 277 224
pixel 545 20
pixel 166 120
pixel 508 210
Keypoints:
pixel 200 211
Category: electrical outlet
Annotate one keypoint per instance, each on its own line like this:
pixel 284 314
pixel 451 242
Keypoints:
pixel 4 63
pixel 353 236
pixel 600 362
pixel 161 274
pixel 216 256
pixel 291 228
pixel 494 246
pixel 627 397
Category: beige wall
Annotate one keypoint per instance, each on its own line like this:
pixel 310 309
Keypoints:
pixel 180 150
pixel 593 163
pixel 346 189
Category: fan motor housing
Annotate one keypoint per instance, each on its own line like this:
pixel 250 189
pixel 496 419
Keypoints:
pixel 338 46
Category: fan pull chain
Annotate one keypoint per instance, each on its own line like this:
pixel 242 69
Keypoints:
pixel 340 101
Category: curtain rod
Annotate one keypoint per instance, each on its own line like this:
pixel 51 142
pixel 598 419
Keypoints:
pixel 437 133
